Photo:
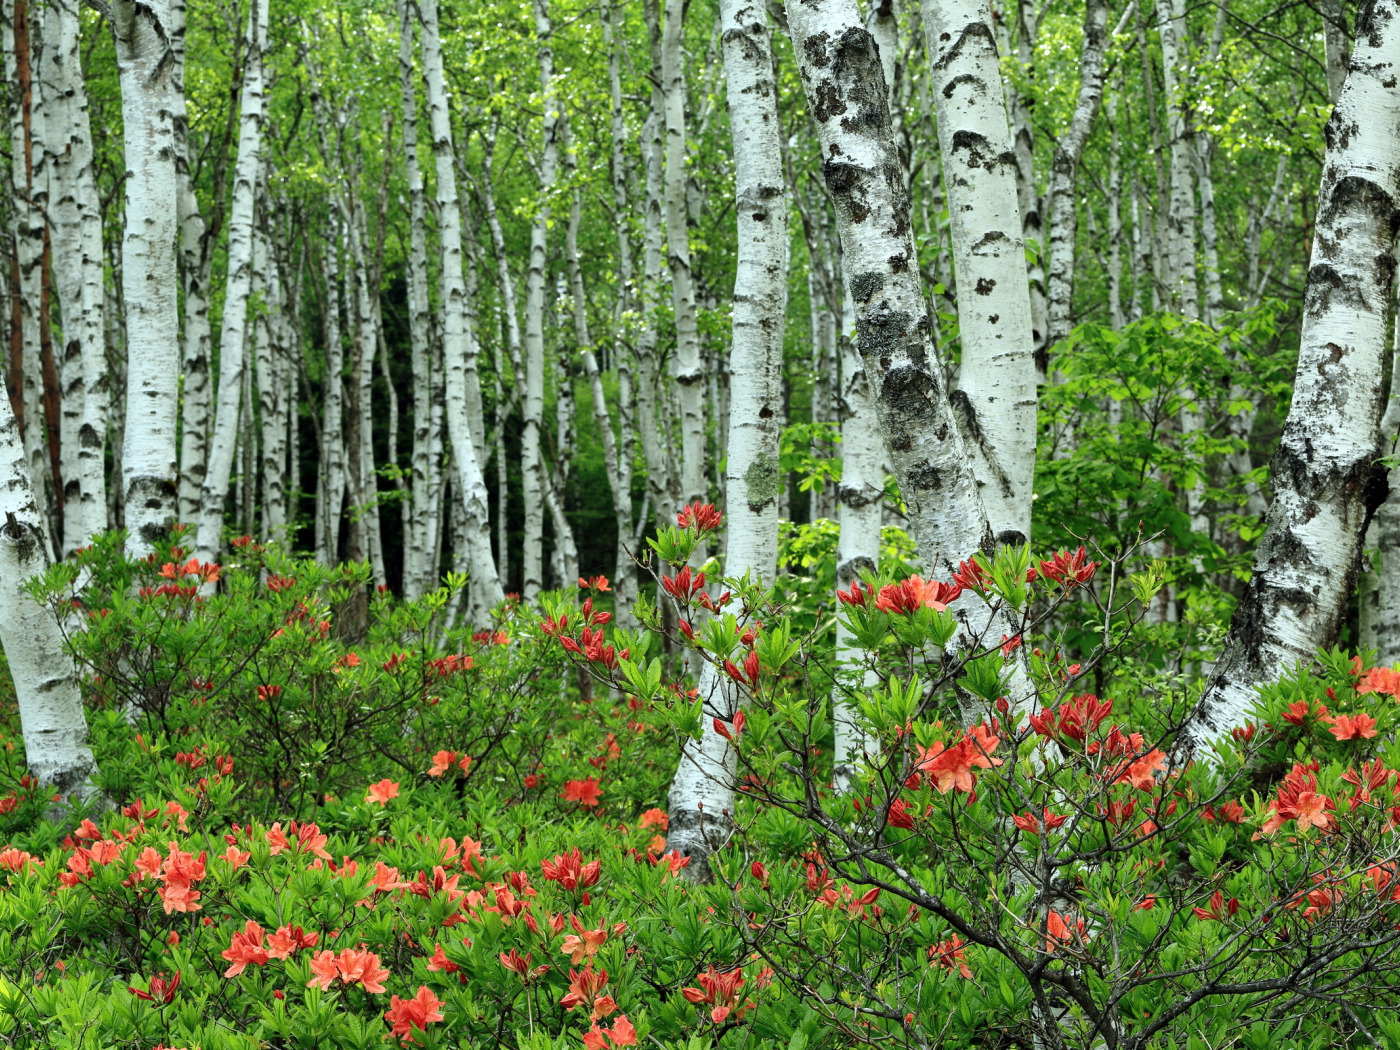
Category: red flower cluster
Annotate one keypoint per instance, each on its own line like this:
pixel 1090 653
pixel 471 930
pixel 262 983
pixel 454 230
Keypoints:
pixel 684 585
pixel 159 989
pixel 916 593
pixel 1073 720
pixel 702 517
pixel 1218 910
pixel 948 955
pixel 352 966
pixel 720 991
pixel 971 576
pixel 595 583
pixel 1047 821
pixel 584 792
pixel 1071 570
pixel 951 767
pixel 445 760
pixel 749 675
pixel 1298 799
pixel 453 663
pixel 404 1015
pixel 569 870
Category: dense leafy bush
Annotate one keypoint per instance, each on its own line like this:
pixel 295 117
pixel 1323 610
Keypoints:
pixel 457 838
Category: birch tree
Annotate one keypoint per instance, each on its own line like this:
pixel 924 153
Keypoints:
pixel 421 506
pixel 1326 478
pixel 52 723
pixel 1064 173
pixel 151 93
pixel 247 177
pixel 996 381
pixel 847 99
pixel 689 371
pixel 485 583
pixel 75 220
pixel 702 793
pixel 533 479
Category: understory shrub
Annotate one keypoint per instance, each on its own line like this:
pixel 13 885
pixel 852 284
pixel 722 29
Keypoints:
pixel 329 837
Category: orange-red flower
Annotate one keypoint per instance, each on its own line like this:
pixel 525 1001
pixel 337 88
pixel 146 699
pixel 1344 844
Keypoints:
pixel 584 792
pixel 1380 680
pixel 1298 799
pixel 382 792
pixel 721 991
pixel 948 955
pixel 352 965
pixel 247 947
pixel 569 870
pixel 404 1015
pixel 1352 727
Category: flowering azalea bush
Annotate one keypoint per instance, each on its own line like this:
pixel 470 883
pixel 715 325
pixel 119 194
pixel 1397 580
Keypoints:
pixel 420 836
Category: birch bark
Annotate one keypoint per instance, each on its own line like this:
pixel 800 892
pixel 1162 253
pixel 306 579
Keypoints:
pixel 702 793
pixel 862 494
pixel 151 93
pixel 421 504
pixel 76 220
pixel 52 723
pixel 485 583
pixel 331 485
pixel 996 380
pixel 846 98
pixel 533 480
pixel 23 48
pixel 1064 173
pixel 195 255
pixel 1326 480
pixel 247 176
pixel 689 371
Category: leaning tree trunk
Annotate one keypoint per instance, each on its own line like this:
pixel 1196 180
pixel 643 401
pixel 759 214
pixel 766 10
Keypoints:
pixel 150 90
pixel 1064 172
pixel 1326 476
pixel 847 99
pixel 52 723
pixel 702 794
pixel 247 176
pixel 996 382
pixel 485 583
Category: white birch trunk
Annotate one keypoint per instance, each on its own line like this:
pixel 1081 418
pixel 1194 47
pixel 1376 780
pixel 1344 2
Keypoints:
pixel 421 505
pixel 273 391
pixel 366 342
pixel 233 333
pixel 689 371
pixel 1336 45
pixel 1027 194
pixel 331 485
pixel 76 222
pixel 485 583
pixel 52 723
pixel 618 453
pixel 195 255
pixel 847 99
pixel 702 794
pixel 533 479
pixel 997 375
pixel 23 48
pixel 862 493
pixel 1325 476
pixel 150 98
pixel 1064 173
pixel 1385 612
pixel 660 478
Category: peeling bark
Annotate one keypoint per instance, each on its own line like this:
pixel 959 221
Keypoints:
pixel 1326 480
